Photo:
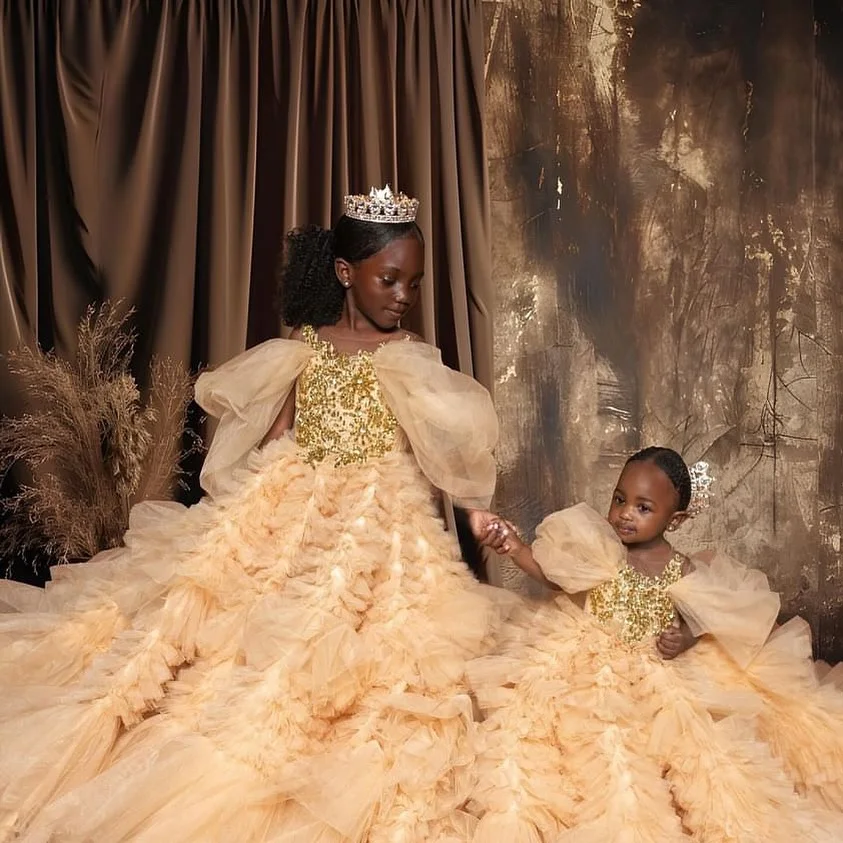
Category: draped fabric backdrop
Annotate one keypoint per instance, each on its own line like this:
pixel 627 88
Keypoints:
pixel 157 152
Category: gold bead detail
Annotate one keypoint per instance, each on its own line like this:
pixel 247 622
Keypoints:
pixel 340 411
pixel 637 602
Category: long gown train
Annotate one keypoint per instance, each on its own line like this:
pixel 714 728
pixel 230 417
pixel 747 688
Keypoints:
pixel 285 660
pixel 592 738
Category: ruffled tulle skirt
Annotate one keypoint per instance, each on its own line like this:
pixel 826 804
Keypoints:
pixel 282 664
pixel 590 740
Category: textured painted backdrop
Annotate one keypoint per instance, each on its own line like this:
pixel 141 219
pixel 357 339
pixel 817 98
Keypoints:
pixel 667 195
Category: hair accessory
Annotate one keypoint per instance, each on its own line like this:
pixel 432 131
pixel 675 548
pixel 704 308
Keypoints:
pixel 381 205
pixel 701 482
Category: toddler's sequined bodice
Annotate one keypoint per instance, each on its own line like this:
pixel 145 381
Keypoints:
pixel 639 603
pixel 340 411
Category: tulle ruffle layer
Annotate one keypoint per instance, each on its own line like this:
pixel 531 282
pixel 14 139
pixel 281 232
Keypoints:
pixel 589 740
pixel 285 663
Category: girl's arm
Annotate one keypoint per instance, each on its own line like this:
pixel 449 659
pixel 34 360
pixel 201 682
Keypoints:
pixel 677 638
pixel 284 420
pixel 522 556
pixel 502 537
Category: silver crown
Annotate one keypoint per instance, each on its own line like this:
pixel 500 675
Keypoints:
pixel 381 205
pixel 701 482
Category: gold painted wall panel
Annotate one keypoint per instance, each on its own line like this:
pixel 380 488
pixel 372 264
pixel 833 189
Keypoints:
pixel 667 244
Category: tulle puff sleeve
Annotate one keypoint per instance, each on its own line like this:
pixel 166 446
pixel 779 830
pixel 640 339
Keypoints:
pixel 577 549
pixel 246 394
pixel 729 601
pixel 448 418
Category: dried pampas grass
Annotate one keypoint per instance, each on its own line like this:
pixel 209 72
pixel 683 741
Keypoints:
pixel 91 445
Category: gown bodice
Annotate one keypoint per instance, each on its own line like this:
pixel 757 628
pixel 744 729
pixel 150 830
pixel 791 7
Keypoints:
pixel 340 409
pixel 640 604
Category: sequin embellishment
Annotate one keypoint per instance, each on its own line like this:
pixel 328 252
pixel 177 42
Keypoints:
pixel 340 411
pixel 637 602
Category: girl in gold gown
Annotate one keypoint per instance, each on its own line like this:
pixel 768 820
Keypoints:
pixel 285 660
pixel 661 703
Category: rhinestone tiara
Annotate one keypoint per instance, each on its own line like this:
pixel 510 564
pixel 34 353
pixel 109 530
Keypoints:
pixel 381 205
pixel 701 482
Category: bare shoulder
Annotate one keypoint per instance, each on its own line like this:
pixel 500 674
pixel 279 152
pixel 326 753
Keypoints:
pixel 296 334
pixel 409 336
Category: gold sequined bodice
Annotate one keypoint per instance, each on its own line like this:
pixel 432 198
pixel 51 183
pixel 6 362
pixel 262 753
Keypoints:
pixel 637 602
pixel 340 411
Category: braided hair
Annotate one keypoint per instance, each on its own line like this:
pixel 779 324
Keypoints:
pixel 672 464
pixel 309 292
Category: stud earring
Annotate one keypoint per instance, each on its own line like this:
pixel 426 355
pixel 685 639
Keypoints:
pixel 671 528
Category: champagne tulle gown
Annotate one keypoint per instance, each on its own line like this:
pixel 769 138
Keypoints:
pixel 592 738
pixel 285 660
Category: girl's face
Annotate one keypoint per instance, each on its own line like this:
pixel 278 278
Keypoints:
pixel 644 504
pixel 385 286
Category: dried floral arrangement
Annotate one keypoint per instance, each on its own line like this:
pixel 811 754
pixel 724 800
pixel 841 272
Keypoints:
pixel 92 446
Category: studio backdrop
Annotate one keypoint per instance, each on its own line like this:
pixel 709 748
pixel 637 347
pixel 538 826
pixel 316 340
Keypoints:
pixel 157 152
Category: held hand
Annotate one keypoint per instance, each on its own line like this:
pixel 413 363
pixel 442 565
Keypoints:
pixel 481 523
pixel 504 538
pixel 492 531
pixel 675 640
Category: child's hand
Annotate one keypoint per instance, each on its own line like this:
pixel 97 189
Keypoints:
pixel 500 535
pixel 675 640
pixel 492 531
pixel 482 525
pixel 503 538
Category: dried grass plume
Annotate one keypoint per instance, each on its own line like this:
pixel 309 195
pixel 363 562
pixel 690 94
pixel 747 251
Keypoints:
pixel 91 445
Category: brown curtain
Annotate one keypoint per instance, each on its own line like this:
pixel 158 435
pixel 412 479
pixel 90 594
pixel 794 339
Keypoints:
pixel 157 152
pixel 374 91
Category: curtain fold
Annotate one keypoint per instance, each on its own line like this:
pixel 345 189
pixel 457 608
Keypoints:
pixel 18 252
pixel 158 152
pixel 374 92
